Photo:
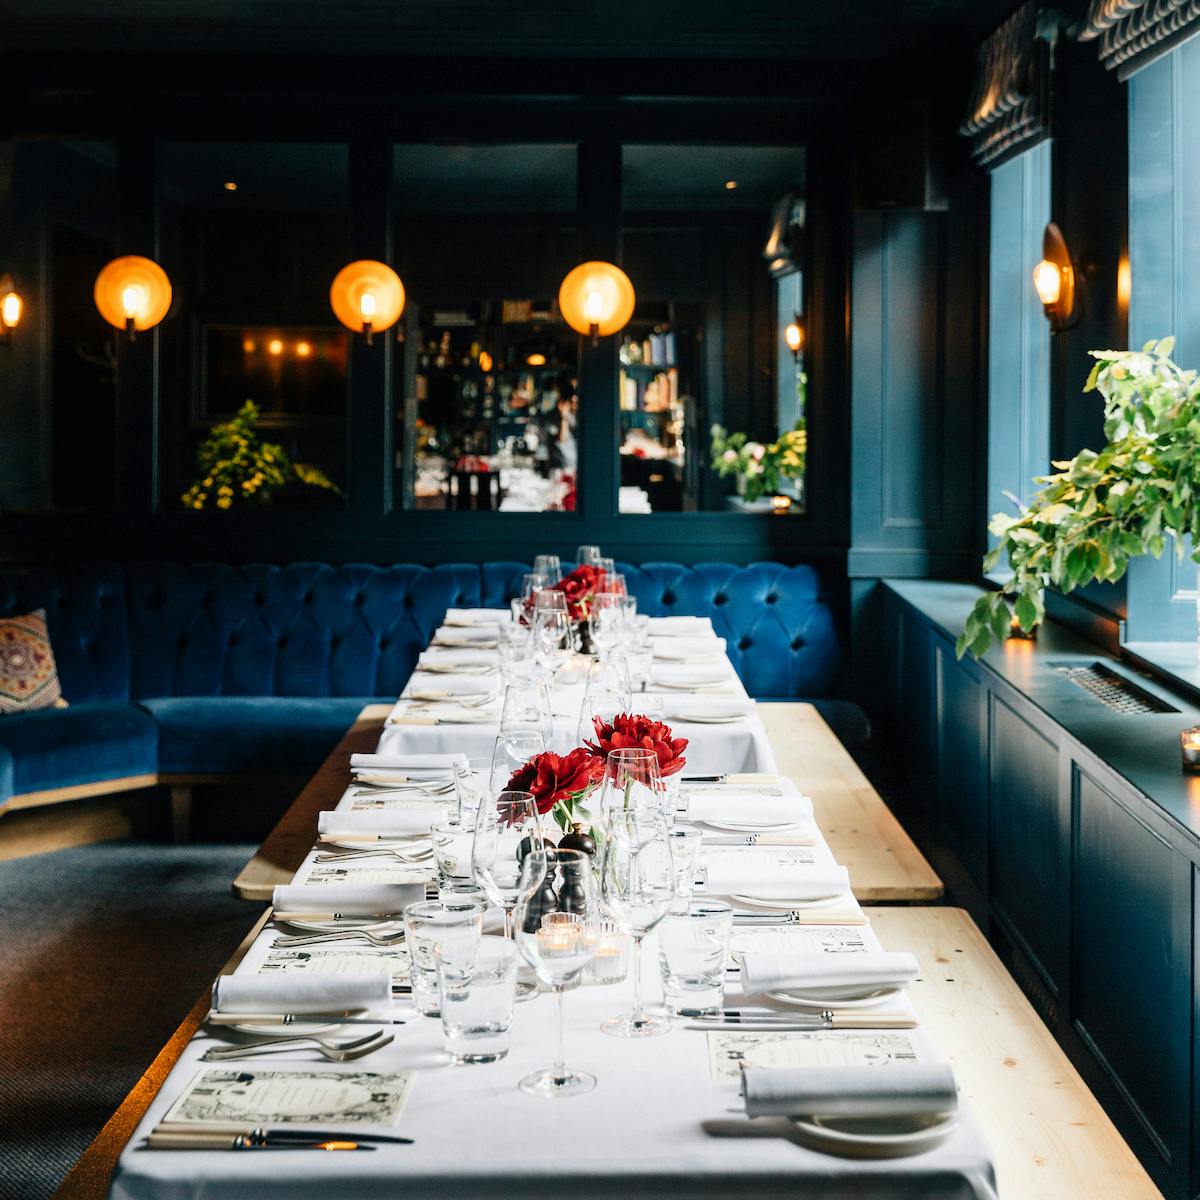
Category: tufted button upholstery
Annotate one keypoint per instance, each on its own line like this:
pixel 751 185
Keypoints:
pixel 777 624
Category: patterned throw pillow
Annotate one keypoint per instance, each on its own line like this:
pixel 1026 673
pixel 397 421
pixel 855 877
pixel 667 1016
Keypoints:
pixel 28 676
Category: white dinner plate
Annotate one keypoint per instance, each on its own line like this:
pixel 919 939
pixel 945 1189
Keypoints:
pixel 788 905
pixel 876 1137
pixel 297 1029
pixel 750 827
pixel 680 719
pixel 869 997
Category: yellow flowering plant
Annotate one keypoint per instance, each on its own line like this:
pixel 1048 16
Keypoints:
pixel 762 466
pixel 237 468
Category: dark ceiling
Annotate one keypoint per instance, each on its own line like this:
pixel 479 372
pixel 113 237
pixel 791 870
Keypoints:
pixel 776 30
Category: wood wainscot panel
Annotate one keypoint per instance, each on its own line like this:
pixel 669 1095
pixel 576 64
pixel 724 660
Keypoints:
pixel 1029 837
pixel 962 739
pixel 1132 962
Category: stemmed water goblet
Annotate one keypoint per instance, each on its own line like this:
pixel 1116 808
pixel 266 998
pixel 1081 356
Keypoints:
pixel 505 829
pixel 586 555
pixel 638 886
pixel 557 922
pixel 548 565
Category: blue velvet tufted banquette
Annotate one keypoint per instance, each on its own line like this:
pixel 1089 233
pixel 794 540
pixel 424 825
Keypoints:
pixel 207 669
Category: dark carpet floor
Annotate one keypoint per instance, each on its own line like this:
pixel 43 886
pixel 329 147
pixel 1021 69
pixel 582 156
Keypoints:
pixel 103 950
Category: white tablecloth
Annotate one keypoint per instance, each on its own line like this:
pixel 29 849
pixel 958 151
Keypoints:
pixel 656 1126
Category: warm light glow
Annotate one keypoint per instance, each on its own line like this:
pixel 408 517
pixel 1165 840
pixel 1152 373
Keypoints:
pixel 781 503
pixel 730 185
pixel 249 346
pixel 303 349
pixel 133 289
pixel 133 301
pixel 596 298
pixel 794 336
pixel 367 296
pixel 230 185
pixel 10 310
pixel 1047 279
pixel 1124 282
pixel 485 361
pixel 275 346
pixel 536 360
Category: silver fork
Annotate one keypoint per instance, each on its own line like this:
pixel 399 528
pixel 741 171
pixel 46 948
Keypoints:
pixel 336 935
pixel 346 1052
pixel 384 789
pixel 470 700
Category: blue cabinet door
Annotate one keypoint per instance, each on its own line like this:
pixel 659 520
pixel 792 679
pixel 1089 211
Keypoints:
pixel 1030 839
pixel 962 737
pixel 1132 968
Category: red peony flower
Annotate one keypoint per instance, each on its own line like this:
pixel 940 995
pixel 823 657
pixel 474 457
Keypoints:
pixel 629 729
pixel 552 778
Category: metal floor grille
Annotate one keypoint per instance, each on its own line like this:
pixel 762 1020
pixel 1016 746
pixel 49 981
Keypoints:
pixel 1112 690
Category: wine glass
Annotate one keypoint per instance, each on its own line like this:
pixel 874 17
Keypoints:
pixel 552 638
pixel 511 752
pixel 605 618
pixel 632 782
pixel 637 881
pixel 557 922
pixel 527 709
pixel 505 831
pixel 515 649
pixel 586 555
pixel 548 565
pixel 532 582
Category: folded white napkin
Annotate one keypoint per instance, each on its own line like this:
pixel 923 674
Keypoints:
pixel 389 822
pixel 471 635
pixel 679 627
pixel 800 972
pixel 395 768
pixel 353 899
pixel 690 674
pixel 681 649
pixel 682 708
pixel 422 686
pixel 758 876
pixel 294 993
pixel 466 617
pixel 739 808
pixel 455 656
pixel 881 1091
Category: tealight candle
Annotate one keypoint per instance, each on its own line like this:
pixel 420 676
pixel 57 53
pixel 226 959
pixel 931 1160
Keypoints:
pixel 1189 748
pixel 559 935
pixel 610 963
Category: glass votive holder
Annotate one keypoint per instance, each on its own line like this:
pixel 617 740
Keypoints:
pixel 610 963
pixel 470 782
pixel 692 948
pixel 452 842
pixel 1189 749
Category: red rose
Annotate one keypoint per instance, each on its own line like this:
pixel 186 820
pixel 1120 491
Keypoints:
pixel 553 777
pixel 629 729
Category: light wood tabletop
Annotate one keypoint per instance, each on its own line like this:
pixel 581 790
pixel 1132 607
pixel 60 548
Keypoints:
pixel 864 835
pixel 1049 1136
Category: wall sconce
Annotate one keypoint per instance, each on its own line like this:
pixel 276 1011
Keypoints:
pixel 367 297
pixel 794 336
pixel 1054 280
pixel 11 307
pixel 133 293
pixel 597 299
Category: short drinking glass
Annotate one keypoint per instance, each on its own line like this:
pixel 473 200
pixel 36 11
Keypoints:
pixel 692 949
pixel 477 1001
pixel 431 927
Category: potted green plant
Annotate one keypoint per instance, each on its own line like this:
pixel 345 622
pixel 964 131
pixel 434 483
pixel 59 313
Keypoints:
pixel 239 469
pixel 1102 509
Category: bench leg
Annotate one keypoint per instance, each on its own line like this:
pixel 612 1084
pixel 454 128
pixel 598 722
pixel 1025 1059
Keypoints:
pixel 181 813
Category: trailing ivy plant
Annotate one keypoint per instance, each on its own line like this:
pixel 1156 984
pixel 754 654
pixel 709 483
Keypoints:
pixel 1102 509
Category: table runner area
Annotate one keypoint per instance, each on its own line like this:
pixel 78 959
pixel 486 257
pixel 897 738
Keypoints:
pixel 660 1123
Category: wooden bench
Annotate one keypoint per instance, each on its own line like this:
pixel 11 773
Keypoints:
pixel 865 837
pixel 1050 1138
pixel 884 863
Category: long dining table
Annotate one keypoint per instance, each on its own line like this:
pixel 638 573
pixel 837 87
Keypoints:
pixel 665 1119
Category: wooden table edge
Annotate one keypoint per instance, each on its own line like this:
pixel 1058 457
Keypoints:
pixel 91 1176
